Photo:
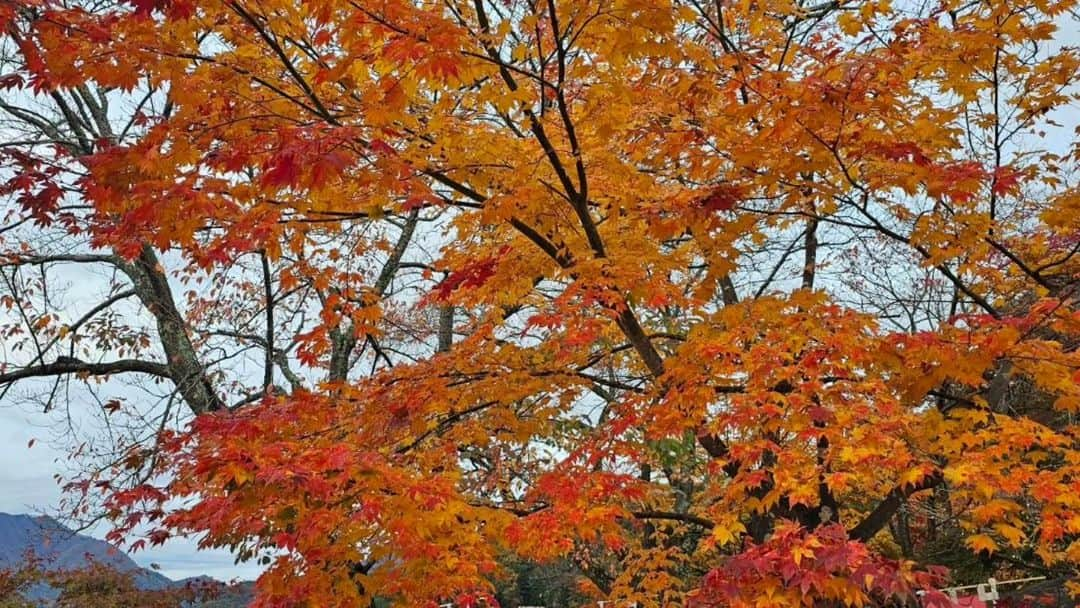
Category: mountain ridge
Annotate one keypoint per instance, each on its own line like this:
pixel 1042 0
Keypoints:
pixel 59 548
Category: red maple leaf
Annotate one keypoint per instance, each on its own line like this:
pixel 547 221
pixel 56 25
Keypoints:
pixel 471 275
pixel 723 197
pixel 1006 180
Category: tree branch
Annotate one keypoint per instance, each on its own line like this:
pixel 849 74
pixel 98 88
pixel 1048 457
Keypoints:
pixel 68 365
pixel 880 516
pixel 683 517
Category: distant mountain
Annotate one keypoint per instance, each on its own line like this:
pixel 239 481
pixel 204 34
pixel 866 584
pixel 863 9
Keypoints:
pixel 60 548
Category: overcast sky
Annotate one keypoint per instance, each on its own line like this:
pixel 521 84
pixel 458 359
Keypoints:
pixel 27 486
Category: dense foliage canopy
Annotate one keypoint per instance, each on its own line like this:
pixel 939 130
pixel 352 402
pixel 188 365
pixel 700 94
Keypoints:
pixel 723 303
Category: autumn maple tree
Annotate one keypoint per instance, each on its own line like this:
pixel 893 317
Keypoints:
pixel 724 303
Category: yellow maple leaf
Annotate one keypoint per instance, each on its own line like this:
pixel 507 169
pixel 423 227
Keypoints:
pixel 981 542
pixel 850 24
